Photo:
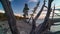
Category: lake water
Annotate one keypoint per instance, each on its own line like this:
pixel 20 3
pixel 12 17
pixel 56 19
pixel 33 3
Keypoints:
pixel 53 28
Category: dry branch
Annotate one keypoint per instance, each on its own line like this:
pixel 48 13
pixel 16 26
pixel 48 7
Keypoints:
pixel 10 16
pixel 45 24
pixel 34 20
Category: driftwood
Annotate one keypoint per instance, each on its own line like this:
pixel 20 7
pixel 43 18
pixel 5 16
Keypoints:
pixel 34 20
pixel 44 26
pixel 53 12
pixel 10 16
pixel 34 11
pixel 39 13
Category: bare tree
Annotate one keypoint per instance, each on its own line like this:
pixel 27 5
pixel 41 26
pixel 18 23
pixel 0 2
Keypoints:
pixel 51 21
pixel 10 16
pixel 34 11
pixel 44 25
pixel 34 20
pixel 53 12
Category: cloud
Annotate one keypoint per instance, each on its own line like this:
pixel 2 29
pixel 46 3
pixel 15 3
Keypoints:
pixel 2 11
pixel 18 14
pixel 33 0
pixel 56 7
pixel 10 0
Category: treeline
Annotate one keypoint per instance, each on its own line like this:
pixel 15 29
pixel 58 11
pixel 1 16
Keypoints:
pixel 3 17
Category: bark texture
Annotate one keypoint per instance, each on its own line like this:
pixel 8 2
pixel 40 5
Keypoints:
pixel 10 16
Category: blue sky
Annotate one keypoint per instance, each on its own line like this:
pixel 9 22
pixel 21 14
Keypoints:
pixel 18 5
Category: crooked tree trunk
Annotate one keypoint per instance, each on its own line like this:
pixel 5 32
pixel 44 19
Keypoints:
pixel 51 21
pixel 34 11
pixel 44 25
pixel 39 13
pixel 10 16
pixel 34 20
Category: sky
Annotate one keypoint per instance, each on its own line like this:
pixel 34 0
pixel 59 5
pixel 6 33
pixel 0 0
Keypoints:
pixel 18 5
